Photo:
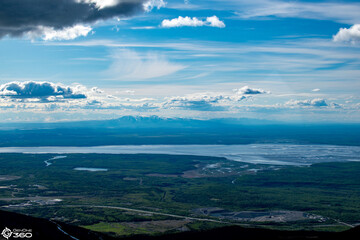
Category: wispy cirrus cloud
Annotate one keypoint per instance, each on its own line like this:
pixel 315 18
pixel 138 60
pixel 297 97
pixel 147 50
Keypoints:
pixel 143 27
pixel 337 11
pixel 128 65
pixel 343 12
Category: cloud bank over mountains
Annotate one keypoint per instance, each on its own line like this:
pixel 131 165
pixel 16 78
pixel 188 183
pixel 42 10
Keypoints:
pixel 35 99
pixel 95 98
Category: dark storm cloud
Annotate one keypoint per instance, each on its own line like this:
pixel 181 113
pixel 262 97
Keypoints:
pixel 39 90
pixel 20 16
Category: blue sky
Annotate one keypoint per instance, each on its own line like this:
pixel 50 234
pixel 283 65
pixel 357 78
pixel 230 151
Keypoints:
pixel 295 61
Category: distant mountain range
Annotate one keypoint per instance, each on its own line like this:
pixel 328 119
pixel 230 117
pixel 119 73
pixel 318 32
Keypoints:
pixel 140 122
pixel 131 130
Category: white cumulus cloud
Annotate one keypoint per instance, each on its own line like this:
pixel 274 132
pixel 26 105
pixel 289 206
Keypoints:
pixel 198 102
pixel 209 101
pixel 317 102
pixel 101 3
pixel 249 91
pixel 68 33
pixel 151 4
pixel 213 21
pixel 41 90
pixel 348 35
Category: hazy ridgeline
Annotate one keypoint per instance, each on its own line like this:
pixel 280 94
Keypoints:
pixel 155 130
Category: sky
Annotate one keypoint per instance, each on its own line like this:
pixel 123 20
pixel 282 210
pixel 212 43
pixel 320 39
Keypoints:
pixel 70 60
